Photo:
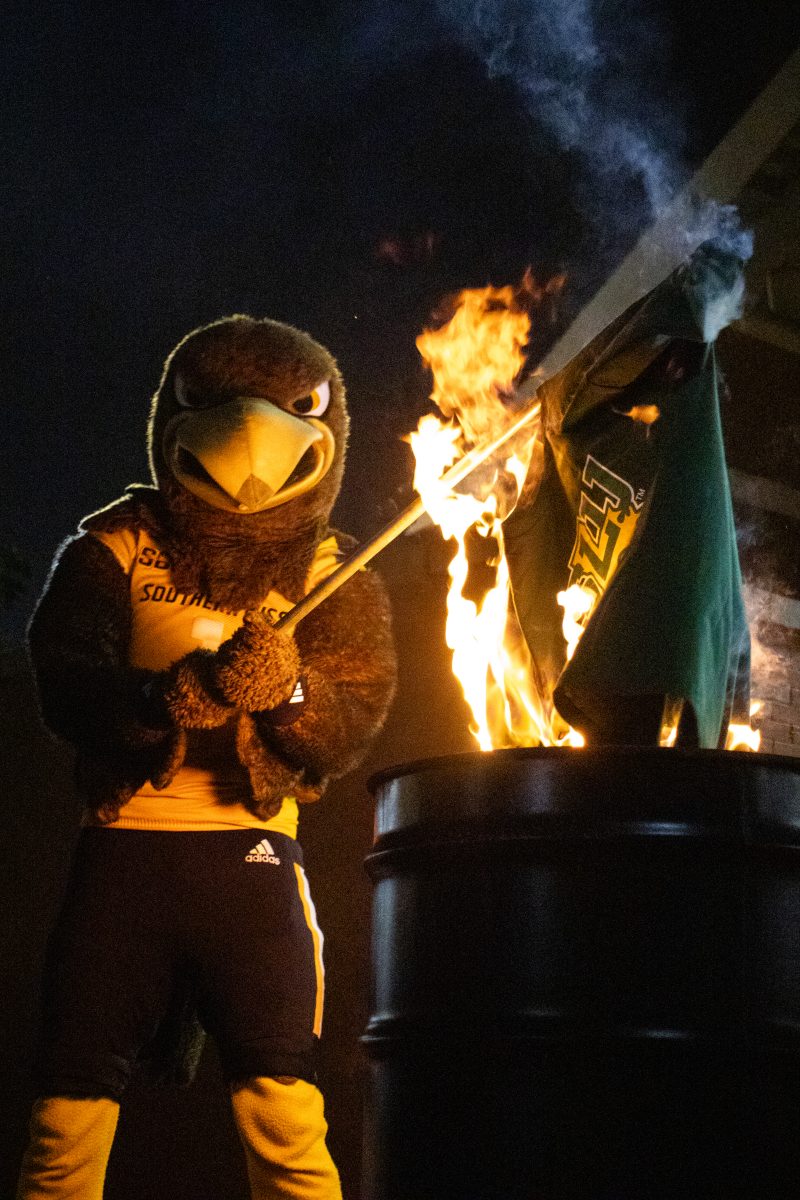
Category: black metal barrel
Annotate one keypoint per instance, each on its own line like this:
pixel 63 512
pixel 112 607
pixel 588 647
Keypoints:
pixel 585 978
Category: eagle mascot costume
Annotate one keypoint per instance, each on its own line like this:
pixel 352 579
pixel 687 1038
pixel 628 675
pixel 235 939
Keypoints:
pixel 199 728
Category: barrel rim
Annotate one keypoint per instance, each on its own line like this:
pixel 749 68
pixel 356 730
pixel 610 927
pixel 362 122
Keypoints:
pixel 450 762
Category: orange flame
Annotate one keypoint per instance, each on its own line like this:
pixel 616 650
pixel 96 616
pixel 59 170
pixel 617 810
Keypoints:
pixel 744 737
pixel 577 602
pixel 475 359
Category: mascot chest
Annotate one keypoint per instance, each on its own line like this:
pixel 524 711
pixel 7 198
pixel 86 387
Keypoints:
pixel 168 623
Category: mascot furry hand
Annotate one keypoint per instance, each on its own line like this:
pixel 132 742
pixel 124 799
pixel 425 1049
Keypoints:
pixel 153 641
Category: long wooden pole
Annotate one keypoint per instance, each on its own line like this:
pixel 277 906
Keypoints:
pixel 668 243
pixel 406 518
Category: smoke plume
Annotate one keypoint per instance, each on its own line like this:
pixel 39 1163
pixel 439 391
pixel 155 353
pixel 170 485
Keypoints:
pixel 592 75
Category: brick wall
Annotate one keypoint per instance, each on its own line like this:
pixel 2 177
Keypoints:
pixel 776 683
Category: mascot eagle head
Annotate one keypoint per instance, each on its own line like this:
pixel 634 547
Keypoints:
pixel 250 415
pixel 246 440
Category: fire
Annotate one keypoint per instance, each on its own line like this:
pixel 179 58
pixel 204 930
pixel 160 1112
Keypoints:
pixel 738 737
pixel 669 723
pixel 490 657
pixel 475 359
pixel 577 603
pixel 744 737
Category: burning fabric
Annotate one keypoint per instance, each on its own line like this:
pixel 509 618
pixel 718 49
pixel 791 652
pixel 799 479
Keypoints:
pixel 627 620
pixel 632 511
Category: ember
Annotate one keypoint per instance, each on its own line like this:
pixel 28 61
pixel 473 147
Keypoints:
pixel 408 251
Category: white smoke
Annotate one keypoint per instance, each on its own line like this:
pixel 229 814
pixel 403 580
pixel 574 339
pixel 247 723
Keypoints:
pixel 592 73
pixel 578 67
pixel 595 79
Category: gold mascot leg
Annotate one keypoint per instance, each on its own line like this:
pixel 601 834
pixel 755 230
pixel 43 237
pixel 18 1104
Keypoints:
pixel 68 1152
pixel 282 1127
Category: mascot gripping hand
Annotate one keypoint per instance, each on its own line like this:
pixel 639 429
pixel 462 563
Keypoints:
pixel 199 728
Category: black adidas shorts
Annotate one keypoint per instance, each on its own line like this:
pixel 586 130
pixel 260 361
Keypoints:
pixel 150 916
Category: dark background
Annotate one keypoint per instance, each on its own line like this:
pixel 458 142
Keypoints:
pixel 342 167
pixel 176 162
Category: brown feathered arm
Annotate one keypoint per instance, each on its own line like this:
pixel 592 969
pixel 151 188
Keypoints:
pixel 79 637
pixel 342 657
pixel 348 675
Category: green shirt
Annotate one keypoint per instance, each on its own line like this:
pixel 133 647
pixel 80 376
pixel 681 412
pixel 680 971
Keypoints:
pixel 639 514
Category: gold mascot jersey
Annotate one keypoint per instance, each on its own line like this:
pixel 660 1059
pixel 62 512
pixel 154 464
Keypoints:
pixel 211 789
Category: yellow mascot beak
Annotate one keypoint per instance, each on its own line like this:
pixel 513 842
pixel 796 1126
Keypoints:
pixel 247 455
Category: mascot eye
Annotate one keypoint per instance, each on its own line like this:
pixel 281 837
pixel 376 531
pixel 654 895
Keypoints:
pixel 314 404
pixel 185 397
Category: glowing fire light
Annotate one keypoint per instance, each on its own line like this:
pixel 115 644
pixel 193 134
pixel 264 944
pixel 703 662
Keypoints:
pixel 669 735
pixel 577 603
pixel 744 737
pixel 475 359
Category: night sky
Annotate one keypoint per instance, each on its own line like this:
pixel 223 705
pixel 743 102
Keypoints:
pixel 340 166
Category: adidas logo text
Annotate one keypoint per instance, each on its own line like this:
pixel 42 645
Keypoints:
pixel 263 852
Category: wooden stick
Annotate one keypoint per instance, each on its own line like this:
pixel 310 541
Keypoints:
pixel 406 518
